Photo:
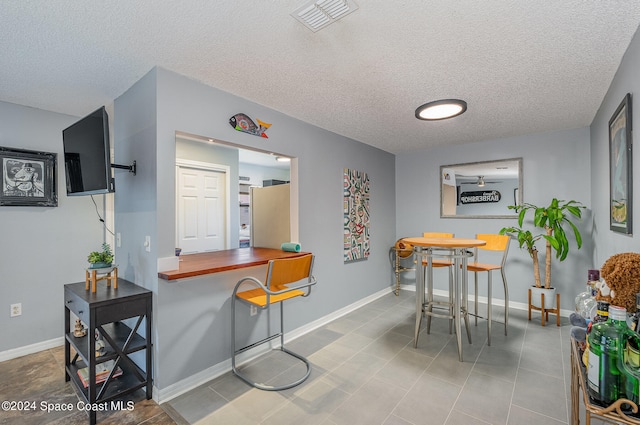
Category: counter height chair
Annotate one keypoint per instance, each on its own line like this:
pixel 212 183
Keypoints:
pixel 438 263
pixel 496 243
pixel 286 279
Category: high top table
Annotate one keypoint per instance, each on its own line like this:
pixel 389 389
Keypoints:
pixel 456 250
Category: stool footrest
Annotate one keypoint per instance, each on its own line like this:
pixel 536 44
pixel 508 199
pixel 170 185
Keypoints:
pixel 255 344
pixel 265 387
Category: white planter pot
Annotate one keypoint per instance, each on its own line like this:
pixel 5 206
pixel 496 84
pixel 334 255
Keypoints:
pixel 549 297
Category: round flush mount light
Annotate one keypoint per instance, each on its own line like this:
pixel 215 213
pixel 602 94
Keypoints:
pixel 441 109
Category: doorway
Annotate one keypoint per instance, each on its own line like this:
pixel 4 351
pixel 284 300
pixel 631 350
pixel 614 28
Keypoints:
pixel 201 216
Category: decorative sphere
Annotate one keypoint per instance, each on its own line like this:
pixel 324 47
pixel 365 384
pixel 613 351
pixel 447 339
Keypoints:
pixel 403 248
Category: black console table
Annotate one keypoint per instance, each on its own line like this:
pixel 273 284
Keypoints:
pixel 105 310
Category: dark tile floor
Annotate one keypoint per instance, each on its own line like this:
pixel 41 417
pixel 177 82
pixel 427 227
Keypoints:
pixel 38 379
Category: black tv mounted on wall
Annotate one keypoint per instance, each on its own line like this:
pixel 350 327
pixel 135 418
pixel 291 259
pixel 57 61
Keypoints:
pixel 87 156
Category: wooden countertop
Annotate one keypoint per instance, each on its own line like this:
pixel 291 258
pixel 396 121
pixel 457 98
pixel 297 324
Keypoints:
pixel 192 265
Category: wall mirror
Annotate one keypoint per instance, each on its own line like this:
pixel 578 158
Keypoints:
pixel 230 196
pixel 481 189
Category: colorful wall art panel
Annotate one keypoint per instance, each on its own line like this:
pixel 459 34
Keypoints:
pixel 356 215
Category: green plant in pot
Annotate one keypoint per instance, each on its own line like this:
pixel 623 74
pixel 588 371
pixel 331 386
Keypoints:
pixel 101 259
pixel 552 221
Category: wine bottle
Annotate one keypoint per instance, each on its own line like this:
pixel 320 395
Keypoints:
pixel 605 349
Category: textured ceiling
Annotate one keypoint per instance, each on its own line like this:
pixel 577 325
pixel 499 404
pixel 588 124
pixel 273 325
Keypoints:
pixel 522 66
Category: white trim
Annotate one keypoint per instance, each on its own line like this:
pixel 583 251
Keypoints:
pixel 168 263
pixel 210 167
pixel 483 300
pixel 30 349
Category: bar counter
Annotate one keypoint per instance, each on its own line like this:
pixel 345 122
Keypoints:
pixel 192 265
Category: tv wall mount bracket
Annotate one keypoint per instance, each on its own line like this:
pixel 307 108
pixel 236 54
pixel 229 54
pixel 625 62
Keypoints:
pixel 131 168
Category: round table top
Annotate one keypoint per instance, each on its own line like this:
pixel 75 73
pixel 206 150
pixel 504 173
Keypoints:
pixel 445 242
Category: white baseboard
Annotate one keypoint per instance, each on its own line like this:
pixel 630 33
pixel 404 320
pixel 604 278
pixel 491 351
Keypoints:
pixel 30 349
pixel 496 301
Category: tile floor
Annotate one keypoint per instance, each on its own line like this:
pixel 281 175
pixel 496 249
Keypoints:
pixel 39 378
pixel 365 371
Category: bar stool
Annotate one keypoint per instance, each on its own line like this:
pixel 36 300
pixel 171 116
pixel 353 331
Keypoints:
pixel 438 263
pixel 497 243
pixel 286 279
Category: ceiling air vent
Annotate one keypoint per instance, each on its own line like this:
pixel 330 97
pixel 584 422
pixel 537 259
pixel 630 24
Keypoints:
pixel 317 14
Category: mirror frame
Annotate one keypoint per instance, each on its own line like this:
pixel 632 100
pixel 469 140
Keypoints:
pixel 514 215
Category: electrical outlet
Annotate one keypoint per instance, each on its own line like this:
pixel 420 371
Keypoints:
pixel 16 309
pixel 254 310
pixel 118 240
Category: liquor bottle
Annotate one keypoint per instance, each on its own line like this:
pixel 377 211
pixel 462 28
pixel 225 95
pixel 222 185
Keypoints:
pixel 635 317
pixel 585 301
pixel 602 312
pixel 605 349
pixel 628 366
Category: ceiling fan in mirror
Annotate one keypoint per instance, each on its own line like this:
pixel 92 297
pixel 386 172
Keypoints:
pixel 480 181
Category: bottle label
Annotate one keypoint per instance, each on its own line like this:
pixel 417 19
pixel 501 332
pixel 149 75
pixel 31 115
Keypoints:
pixel 593 371
pixel 632 356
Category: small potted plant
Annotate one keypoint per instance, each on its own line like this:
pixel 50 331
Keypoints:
pixel 101 259
pixel 551 220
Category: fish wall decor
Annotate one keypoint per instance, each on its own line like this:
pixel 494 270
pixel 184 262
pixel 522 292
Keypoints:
pixel 242 122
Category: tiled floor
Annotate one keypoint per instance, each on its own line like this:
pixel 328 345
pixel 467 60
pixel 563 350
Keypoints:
pixel 39 378
pixel 365 371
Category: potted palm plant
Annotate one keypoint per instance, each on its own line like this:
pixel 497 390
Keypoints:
pixel 551 220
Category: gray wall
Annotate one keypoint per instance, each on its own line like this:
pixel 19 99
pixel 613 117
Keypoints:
pixel 625 81
pixel 41 249
pixel 553 166
pixel 136 196
pixel 192 318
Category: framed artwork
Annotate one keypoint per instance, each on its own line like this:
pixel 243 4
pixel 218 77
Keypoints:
pixel 28 178
pixel 620 170
pixel 356 215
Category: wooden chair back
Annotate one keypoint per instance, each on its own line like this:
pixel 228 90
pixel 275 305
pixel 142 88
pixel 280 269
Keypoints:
pixel 288 270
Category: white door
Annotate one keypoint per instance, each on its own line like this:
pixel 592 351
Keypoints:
pixel 201 219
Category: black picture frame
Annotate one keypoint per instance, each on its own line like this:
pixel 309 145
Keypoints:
pixel 620 169
pixel 28 178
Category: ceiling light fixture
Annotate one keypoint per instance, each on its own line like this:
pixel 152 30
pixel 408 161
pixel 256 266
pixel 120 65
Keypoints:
pixel 480 181
pixel 441 109
pixel 283 159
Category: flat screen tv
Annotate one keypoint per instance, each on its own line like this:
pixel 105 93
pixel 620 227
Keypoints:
pixel 87 155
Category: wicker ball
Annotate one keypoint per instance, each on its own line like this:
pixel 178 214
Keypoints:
pixel 403 248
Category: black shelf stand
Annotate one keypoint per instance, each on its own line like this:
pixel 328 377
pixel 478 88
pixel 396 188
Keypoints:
pixel 105 311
